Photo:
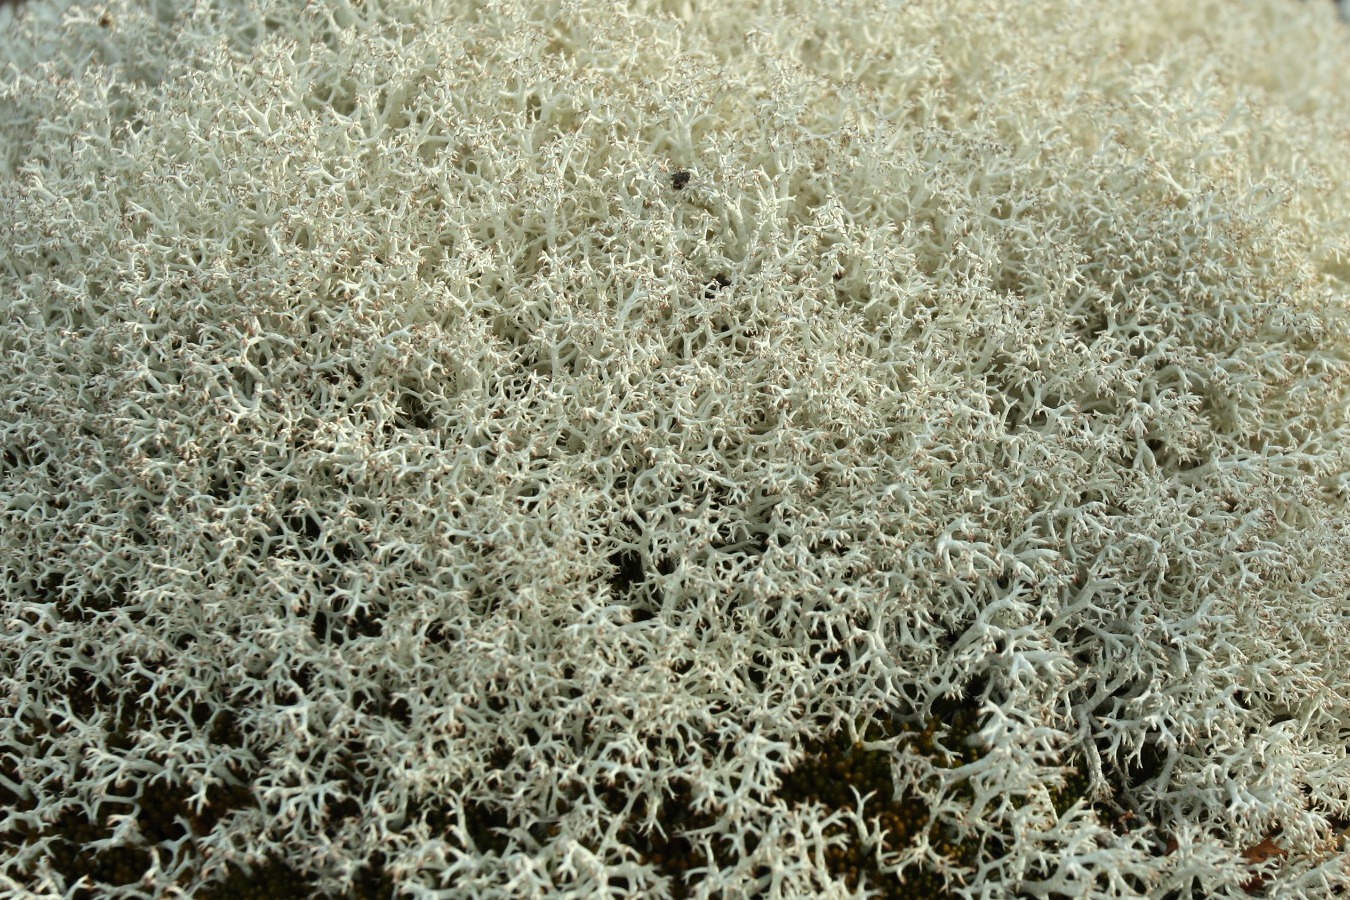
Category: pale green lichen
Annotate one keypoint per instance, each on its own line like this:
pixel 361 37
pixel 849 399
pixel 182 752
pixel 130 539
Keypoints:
pixel 755 448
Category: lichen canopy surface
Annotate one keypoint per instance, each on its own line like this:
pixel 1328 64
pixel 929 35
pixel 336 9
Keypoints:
pixel 529 449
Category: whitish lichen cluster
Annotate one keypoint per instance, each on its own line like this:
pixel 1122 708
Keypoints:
pixel 830 448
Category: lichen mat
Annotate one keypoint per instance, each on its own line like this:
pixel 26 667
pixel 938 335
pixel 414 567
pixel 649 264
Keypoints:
pixel 752 449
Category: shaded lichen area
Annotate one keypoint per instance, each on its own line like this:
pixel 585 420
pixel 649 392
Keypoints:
pixel 850 777
pixel 139 826
pixel 837 773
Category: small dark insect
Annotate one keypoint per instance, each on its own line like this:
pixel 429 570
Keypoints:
pixel 105 21
pixel 719 281
pixel 679 180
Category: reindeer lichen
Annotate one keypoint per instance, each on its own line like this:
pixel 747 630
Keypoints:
pixel 832 448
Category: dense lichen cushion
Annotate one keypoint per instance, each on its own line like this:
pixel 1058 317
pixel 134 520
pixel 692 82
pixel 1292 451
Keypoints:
pixel 574 449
